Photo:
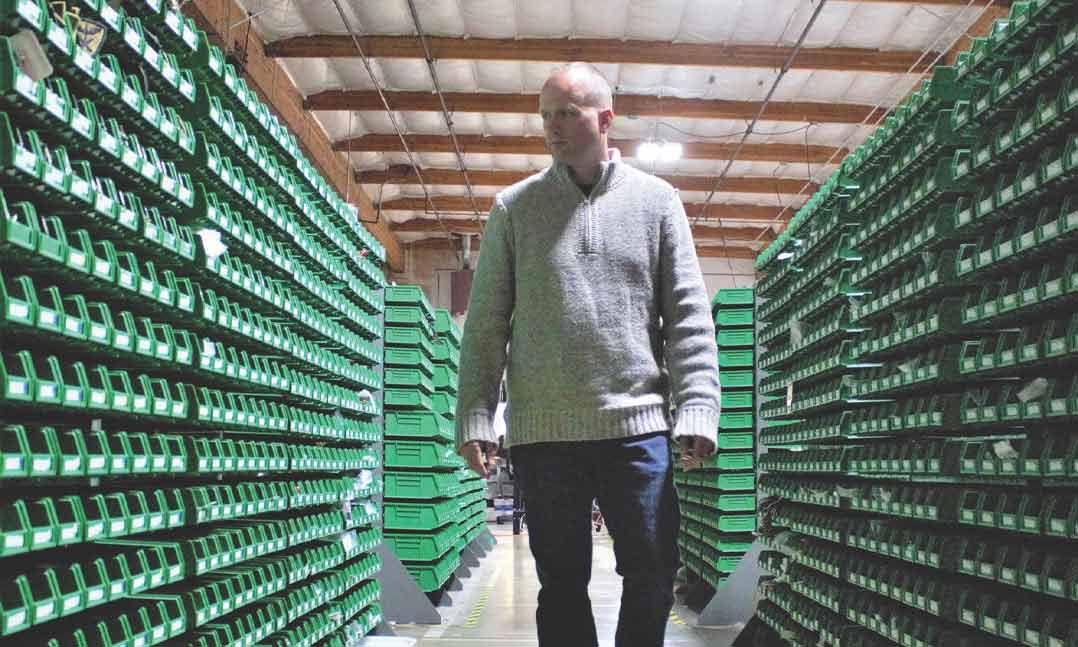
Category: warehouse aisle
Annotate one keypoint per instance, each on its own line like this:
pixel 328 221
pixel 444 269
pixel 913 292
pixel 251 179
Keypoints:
pixel 497 605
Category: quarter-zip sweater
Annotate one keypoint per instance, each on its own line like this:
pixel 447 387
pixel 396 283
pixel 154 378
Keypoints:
pixel 596 306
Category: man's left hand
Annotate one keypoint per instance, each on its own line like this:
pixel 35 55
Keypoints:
pixel 695 449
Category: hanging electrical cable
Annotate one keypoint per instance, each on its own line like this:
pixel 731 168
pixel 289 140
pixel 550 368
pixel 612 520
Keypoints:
pixel 879 104
pixel 392 118
pixel 445 110
pixel 787 64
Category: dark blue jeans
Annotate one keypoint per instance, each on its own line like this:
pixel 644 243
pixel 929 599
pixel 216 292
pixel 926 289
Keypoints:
pixel 633 481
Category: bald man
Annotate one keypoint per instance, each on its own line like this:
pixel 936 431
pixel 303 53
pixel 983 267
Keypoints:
pixel 589 292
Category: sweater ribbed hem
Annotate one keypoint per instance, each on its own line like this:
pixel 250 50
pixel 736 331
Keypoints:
pixel 475 425
pixel 532 426
pixel 698 421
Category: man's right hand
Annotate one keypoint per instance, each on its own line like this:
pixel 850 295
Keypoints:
pixel 474 452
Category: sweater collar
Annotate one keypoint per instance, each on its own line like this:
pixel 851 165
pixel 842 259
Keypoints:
pixel 610 171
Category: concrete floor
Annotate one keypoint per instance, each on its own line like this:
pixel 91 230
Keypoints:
pixel 497 605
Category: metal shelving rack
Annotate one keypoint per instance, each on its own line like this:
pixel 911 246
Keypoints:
pixel 920 471
pixel 435 505
pixel 190 383
pixel 717 497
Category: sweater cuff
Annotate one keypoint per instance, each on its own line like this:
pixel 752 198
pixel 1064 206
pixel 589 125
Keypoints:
pixel 475 425
pixel 697 421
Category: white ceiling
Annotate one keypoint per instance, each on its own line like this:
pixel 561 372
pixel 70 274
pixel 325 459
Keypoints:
pixel 843 23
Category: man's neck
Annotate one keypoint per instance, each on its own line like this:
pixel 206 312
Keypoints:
pixel 587 173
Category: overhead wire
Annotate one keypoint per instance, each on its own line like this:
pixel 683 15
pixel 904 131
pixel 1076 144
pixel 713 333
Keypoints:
pixel 445 112
pixel 392 118
pixel 811 180
pixel 787 64
pixel 735 133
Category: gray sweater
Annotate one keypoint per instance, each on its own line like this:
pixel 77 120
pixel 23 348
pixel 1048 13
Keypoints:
pixel 598 307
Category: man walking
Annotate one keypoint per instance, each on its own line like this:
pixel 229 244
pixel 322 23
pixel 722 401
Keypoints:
pixel 589 292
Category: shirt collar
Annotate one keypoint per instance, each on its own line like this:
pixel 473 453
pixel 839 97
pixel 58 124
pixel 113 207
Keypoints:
pixel 608 170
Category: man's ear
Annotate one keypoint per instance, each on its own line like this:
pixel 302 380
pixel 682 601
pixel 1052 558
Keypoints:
pixel 606 118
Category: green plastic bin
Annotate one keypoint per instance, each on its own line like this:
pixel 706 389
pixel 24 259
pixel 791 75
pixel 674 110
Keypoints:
pixel 738 420
pixel 737 400
pixel 420 485
pixel 422 547
pixel 425 425
pixel 735 358
pixel 419 516
pixel 733 441
pixel 734 317
pixel 733 337
pixel 734 297
pixel 735 379
pixel 431 576
pixel 418 454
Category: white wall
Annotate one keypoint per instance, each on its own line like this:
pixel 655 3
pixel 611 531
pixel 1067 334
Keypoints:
pixel 727 273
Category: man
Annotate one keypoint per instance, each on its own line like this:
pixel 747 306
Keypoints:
pixel 589 274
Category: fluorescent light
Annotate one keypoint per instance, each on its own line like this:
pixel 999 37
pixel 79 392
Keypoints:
pixel 648 151
pixel 784 255
pixel 652 151
pixel 670 152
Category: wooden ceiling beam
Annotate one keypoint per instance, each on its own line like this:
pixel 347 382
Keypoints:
pixel 624 104
pixel 470 226
pixel 514 145
pixel 726 251
pixel 939 3
pixel 702 251
pixel 714 211
pixel 599 50
pixel 449 177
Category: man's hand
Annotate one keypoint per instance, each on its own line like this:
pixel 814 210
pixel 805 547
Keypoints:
pixel 473 452
pixel 694 449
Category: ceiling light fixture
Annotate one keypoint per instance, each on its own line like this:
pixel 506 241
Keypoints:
pixel 652 151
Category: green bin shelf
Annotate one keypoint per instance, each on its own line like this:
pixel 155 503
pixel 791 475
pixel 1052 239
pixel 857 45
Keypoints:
pixel 422 547
pixel 734 297
pixel 431 576
pixel 419 454
pixel 736 379
pixel 736 420
pixel 445 404
pixel 419 425
pixel 408 378
pixel 733 441
pixel 735 337
pixel 737 400
pixel 445 327
pixel 420 485
pixel 414 399
pixel 733 318
pixel 735 358
pixel 419 516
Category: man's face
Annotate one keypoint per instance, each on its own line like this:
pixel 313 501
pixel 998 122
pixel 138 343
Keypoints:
pixel 572 128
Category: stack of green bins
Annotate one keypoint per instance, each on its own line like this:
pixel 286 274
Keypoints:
pixel 190 326
pixel 422 482
pixel 472 519
pixel 923 477
pixel 718 501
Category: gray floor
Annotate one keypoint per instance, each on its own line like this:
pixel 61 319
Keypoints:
pixel 497 605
